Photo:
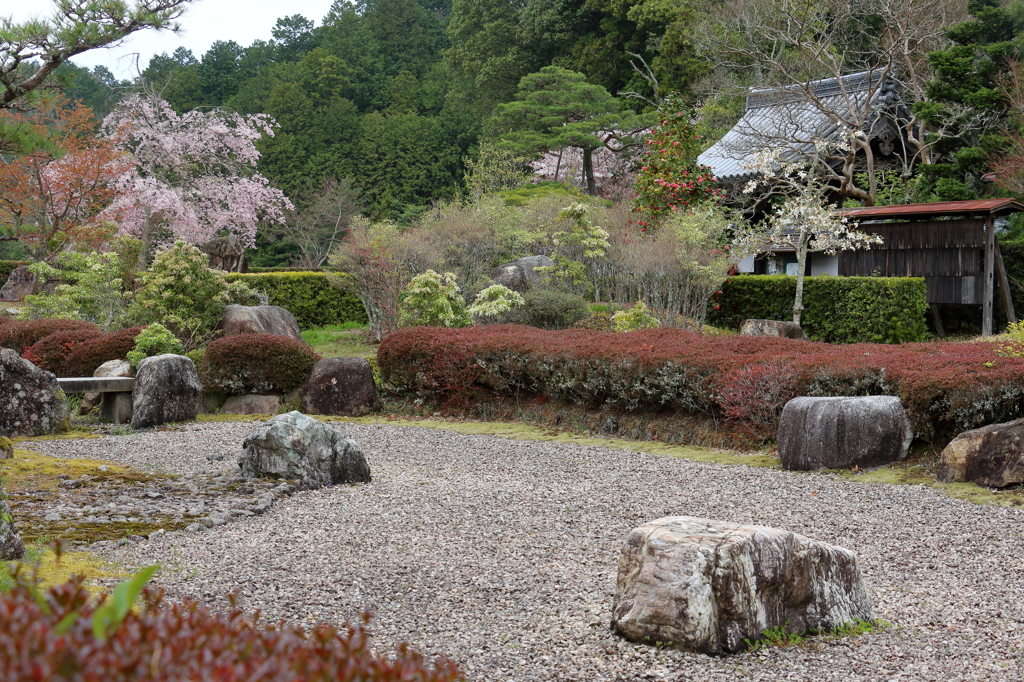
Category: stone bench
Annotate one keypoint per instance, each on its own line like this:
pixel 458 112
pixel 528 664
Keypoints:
pixel 115 395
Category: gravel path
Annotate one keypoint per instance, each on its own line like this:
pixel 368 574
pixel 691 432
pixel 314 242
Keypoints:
pixel 502 555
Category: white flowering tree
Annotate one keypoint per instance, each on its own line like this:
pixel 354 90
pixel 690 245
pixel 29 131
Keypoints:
pixel 804 221
pixel 193 175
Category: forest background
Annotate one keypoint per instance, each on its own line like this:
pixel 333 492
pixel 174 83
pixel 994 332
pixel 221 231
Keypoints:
pixel 393 98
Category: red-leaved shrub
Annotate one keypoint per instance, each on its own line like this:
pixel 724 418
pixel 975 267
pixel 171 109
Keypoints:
pixel 946 388
pixel 54 352
pixel 93 352
pixel 256 363
pixel 20 334
pixel 49 637
pixel 4 320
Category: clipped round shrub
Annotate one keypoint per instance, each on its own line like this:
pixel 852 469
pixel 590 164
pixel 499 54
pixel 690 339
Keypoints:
pixel 549 309
pixel 598 322
pixel 637 317
pixel 154 340
pixel 4 320
pixel 256 363
pixel 54 352
pixel 21 334
pixel 94 351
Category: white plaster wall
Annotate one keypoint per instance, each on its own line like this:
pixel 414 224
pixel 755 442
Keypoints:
pixel 823 264
pixel 746 265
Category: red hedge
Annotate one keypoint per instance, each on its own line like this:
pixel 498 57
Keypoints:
pixel 946 388
pixel 256 363
pixel 20 334
pixel 54 352
pixel 93 352
pixel 184 641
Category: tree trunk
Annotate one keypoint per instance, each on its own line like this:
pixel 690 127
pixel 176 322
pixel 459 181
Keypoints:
pixel 801 259
pixel 558 166
pixel 588 171
pixel 147 231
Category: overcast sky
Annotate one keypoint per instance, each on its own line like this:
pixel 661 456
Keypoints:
pixel 204 22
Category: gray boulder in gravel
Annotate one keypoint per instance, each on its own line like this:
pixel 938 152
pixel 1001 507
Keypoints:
pixel 259 319
pixel 11 546
pixel 31 402
pixel 839 433
pixel 521 275
pixel 340 386
pixel 294 446
pixel 167 389
pixel 708 586
pixel 785 330
pixel 991 456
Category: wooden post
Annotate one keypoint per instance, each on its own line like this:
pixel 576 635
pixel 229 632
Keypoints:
pixel 1004 287
pixel 937 319
pixel 990 274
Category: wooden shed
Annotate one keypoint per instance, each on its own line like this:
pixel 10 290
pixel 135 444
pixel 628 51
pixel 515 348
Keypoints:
pixel 951 244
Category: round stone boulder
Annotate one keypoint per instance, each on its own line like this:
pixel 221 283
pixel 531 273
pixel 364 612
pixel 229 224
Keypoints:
pixel 340 386
pixel 711 586
pixel 839 433
pixel 31 402
pixel 110 368
pixel 294 446
pixel 167 389
pixel 259 319
pixel 992 456
pixel 521 274
pixel 777 328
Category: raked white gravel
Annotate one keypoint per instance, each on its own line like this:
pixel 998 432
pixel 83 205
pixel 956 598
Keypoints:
pixel 502 554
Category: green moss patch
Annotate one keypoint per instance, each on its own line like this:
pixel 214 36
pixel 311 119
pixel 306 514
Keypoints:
pixel 53 572
pixel 30 470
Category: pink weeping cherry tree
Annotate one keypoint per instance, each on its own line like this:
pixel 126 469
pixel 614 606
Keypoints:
pixel 194 175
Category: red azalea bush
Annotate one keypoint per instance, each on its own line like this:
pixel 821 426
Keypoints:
pixel 93 352
pixel 256 363
pixel 54 352
pixel 20 334
pixel 946 388
pixel 49 637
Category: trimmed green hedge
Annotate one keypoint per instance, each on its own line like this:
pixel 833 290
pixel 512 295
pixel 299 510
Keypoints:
pixel 7 266
pixel 836 309
pixel 307 295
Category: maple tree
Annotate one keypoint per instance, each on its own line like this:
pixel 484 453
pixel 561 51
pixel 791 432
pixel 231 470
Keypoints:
pixel 193 175
pixel 51 199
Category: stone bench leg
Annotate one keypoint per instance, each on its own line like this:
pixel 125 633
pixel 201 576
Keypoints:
pixel 116 408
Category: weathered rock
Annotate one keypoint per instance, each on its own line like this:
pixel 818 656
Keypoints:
pixel 294 446
pixel 838 433
pixel 785 330
pixel 520 275
pixel 20 283
pixel 6 447
pixel 342 386
pixel 991 456
pixel 259 319
pixel 110 368
pixel 11 546
pixel 252 404
pixel 167 389
pixel 707 586
pixel 31 403
pixel 226 253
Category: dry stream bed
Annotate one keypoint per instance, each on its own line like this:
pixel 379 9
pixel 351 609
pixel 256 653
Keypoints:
pixel 501 552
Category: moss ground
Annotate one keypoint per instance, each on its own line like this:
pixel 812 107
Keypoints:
pixel 336 341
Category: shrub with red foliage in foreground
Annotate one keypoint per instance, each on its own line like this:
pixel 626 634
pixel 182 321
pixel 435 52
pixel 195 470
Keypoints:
pixel 946 388
pixel 49 637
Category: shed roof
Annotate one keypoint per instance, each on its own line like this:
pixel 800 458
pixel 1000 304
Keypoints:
pixel 787 117
pixel 983 207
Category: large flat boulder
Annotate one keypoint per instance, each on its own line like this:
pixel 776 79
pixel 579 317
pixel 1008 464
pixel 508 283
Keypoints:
pixel 991 456
pixel 294 446
pixel 259 319
pixel 709 586
pixel 777 328
pixel 340 386
pixel 31 402
pixel 167 389
pixel 839 433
